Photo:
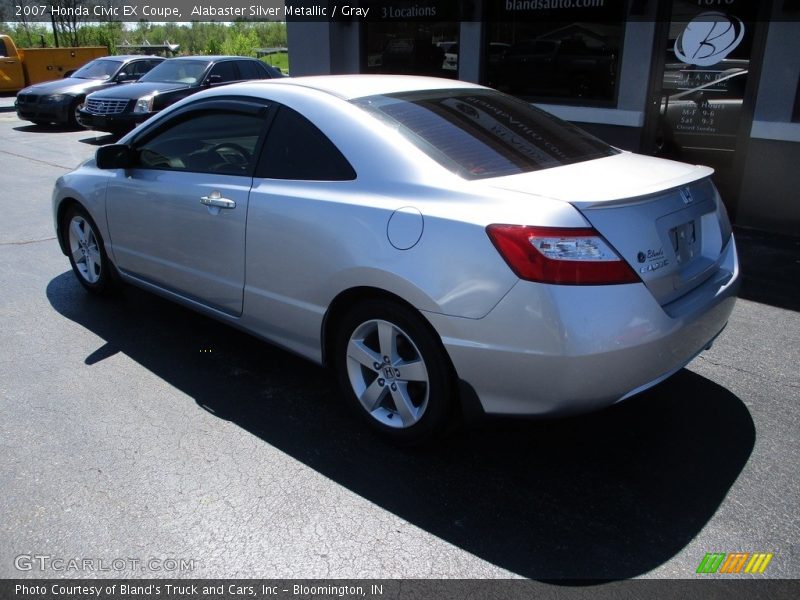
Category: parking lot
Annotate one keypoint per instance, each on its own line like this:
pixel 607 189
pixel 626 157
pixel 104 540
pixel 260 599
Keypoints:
pixel 137 429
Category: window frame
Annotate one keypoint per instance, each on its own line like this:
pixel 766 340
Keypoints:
pixel 207 78
pixel 259 169
pixel 139 64
pixel 248 106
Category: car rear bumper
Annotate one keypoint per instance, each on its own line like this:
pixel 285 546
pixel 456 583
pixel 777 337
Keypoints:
pixel 558 350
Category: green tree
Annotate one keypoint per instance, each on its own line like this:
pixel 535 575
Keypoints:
pixel 240 42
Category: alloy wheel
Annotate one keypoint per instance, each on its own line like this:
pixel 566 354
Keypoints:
pixel 388 374
pixel 84 249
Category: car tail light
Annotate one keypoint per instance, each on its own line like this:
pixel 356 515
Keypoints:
pixel 567 256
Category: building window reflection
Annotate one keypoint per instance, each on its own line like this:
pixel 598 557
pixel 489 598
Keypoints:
pixel 412 48
pixel 574 62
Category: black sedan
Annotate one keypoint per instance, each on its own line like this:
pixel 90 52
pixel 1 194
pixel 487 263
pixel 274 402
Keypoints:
pixel 60 100
pixel 120 110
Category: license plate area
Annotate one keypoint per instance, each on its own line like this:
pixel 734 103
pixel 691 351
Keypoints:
pixel 684 238
pixel 682 234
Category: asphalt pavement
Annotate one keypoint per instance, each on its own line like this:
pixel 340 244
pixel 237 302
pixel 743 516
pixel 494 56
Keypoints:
pixel 137 430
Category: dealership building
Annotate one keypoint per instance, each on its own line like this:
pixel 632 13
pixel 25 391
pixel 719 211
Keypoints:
pixel 702 81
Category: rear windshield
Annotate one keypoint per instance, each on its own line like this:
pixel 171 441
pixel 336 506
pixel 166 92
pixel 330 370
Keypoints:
pixel 483 133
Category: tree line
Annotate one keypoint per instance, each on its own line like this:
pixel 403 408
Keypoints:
pixel 239 38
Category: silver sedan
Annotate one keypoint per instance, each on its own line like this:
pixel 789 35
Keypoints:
pixel 439 244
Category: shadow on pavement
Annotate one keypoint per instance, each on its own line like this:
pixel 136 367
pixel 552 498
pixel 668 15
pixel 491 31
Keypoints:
pixel 770 265
pixel 607 496
pixel 46 128
pixel 100 139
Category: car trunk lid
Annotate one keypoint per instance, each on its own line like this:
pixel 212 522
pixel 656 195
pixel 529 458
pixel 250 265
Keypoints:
pixel 663 218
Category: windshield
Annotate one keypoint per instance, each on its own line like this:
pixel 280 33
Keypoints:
pixel 177 71
pixel 482 133
pixel 98 69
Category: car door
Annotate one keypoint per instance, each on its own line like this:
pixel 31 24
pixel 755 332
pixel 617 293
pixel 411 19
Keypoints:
pixel 298 212
pixel 177 218
pixel 223 73
pixel 11 76
pixel 137 68
pixel 253 69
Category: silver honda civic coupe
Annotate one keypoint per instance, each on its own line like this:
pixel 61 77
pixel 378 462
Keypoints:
pixel 438 243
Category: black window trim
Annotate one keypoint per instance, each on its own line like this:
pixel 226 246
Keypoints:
pixel 205 82
pixel 243 106
pixel 276 108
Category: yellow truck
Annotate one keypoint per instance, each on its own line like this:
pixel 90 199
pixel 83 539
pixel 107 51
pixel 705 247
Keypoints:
pixel 20 67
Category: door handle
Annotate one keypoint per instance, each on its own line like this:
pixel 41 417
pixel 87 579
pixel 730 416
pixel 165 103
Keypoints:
pixel 216 199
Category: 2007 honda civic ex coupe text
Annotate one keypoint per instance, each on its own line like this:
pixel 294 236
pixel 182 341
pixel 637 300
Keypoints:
pixel 438 243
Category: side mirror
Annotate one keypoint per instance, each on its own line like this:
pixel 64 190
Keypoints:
pixel 125 77
pixel 214 79
pixel 114 156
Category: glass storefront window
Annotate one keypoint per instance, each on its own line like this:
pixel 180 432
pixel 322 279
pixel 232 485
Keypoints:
pixel 412 48
pixel 539 51
pixel 704 82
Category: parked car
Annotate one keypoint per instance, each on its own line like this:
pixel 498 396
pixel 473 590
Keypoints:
pixel 59 101
pixel 434 241
pixel 120 110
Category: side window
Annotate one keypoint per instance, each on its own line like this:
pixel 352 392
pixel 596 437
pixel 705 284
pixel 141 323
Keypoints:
pixel 138 68
pixel 227 70
pixel 251 70
pixel 296 149
pixel 3 51
pixel 206 142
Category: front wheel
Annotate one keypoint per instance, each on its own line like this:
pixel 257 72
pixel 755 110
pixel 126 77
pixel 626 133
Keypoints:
pixel 86 252
pixel 393 371
pixel 74 113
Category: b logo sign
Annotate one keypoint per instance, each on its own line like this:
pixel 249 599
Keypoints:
pixel 709 38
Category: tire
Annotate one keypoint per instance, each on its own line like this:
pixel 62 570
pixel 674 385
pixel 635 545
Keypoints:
pixel 72 116
pixel 86 252
pixel 375 340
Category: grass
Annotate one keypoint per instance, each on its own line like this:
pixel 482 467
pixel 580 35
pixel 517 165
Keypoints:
pixel 280 60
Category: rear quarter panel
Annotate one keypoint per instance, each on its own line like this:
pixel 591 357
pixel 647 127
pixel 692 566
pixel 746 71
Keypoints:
pixel 307 242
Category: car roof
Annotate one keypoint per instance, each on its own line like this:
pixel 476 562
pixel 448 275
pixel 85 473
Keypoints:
pixel 211 58
pixel 126 57
pixel 348 87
